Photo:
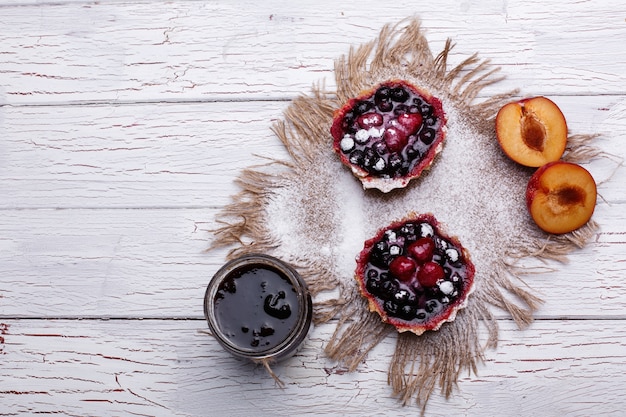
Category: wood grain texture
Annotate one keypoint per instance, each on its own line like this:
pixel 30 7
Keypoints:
pixel 188 154
pixel 160 368
pixel 142 155
pixel 152 263
pixel 123 125
pixel 133 51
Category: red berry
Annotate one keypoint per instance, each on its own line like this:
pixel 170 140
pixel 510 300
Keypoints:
pixel 430 273
pixel 368 120
pixel 403 268
pixel 410 121
pixel 395 139
pixel 422 250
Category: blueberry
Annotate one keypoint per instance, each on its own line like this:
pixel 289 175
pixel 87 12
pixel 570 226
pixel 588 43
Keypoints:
pixel 402 296
pixel 379 164
pixel 412 153
pixel 391 235
pixel 380 259
pixel 421 315
pixel 348 124
pixel 430 121
pixel 381 245
pixel 453 256
pixel 414 109
pixel 369 157
pixel 440 243
pixel 426 230
pixel 372 273
pixel 399 94
pixel 427 136
pixel 407 312
pixel 380 148
pixel 356 157
pixel 408 229
pixel 388 289
pixel 363 107
pixel 382 93
pixel 395 161
pixel 431 305
pixel 384 105
pixel 426 109
pixel 347 144
pixel 410 239
pixel 373 285
pixel 395 250
pixel 390 307
pixel 401 109
pixel 438 257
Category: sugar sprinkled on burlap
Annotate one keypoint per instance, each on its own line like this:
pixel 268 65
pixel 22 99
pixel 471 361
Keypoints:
pixel 311 211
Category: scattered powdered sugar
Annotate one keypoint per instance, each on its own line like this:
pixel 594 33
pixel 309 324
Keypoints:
pixel 323 214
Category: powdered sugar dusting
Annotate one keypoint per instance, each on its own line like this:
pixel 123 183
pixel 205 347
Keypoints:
pixel 323 213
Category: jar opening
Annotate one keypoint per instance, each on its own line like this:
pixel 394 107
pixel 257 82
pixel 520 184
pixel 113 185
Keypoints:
pixel 258 307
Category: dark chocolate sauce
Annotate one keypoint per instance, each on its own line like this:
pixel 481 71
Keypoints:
pixel 256 307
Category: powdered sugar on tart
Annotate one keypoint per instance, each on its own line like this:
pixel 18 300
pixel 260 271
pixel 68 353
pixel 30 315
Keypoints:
pixel 414 275
pixel 390 134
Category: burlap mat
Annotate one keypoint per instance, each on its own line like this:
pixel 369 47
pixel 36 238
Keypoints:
pixel 309 210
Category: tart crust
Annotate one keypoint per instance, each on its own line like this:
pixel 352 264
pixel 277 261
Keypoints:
pixel 450 294
pixel 433 120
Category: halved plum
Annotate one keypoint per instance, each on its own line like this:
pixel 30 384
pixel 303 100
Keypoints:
pixel 390 134
pixel 414 275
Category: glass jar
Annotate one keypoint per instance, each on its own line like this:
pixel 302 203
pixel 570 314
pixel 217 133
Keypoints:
pixel 259 308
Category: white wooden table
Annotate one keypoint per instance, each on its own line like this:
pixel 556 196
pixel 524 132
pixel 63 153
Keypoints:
pixel 122 128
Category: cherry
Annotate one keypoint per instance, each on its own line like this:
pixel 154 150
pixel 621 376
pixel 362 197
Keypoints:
pixel 398 131
pixel 371 119
pixel 410 121
pixel 403 268
pixel 422 249
pixel 430 273
pixel 395 139
pixel 391 122
pixel 414 275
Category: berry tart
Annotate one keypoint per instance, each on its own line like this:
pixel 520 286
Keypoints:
pixel 414 275
pixel 390 134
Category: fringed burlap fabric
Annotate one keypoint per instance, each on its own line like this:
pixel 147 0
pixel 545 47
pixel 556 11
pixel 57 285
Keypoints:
pixel 311 211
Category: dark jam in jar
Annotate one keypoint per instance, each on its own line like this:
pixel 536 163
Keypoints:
pixel 258 307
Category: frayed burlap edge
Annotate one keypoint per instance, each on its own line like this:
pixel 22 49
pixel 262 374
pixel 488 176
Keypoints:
pixel 420 364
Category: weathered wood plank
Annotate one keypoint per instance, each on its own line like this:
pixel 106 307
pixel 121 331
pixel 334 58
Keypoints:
pixel 187 155
pixel 93 367
pixel 122 127
pixel 130 51
pixel 151 263
pixel 149 155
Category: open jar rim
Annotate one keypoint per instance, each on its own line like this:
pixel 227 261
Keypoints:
pixel 300 330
